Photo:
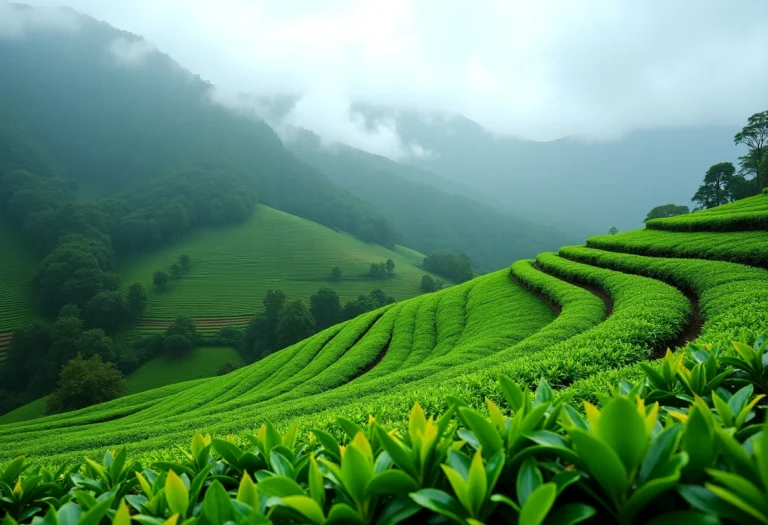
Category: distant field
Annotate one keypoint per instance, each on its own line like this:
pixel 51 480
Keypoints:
pixel 203 362
pixel 233 267
pixel 17 268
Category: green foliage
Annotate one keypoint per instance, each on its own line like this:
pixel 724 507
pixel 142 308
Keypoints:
pixel 746 214
pixel 136 299
pixel 181 337
pixel 430 284
pixel 613 230
pixel 530 459
pixel 457 268
pixel 721 186
pixel 666 210
pixel 755 136
pixel 295 323
pixel 84 382
pixel 227 367
pixel 107 310
pixel 326 308
pixel 336 273
pixel 160 280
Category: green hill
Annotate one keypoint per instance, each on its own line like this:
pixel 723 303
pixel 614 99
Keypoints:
pixel 232 268
pixel 428 213
pixel 610 310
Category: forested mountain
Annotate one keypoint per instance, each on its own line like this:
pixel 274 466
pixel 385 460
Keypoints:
pixel 428 211
pixel 113 111
pixel 567 181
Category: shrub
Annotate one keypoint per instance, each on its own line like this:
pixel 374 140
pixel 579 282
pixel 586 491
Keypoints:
pixel 532 458
pixel 84 382
pixel 227 367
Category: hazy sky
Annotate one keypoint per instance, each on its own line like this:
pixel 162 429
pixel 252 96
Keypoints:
pixel 537 69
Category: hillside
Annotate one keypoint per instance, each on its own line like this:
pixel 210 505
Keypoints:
pixel 427 211
pixel 558 182
pixel 608 311
pixel 232 268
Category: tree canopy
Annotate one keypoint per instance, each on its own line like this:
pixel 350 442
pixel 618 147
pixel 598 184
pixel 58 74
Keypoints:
pixel 85 382
pixel 666 210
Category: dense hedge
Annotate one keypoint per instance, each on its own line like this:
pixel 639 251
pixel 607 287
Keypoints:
pixel 685 444
pixel 745 214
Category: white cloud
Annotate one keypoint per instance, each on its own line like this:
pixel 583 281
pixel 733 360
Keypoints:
pixel 16 22
pixel 130 52
pixel 537 69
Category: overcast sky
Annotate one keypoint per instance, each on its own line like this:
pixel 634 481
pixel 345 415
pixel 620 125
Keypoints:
pixel 538 69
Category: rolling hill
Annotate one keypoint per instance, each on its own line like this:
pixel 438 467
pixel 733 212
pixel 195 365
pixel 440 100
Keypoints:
pixel 605 312
pixel 232 268
pixel 428 212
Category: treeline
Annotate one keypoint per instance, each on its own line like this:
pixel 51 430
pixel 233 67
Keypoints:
pixel 288 320
pixel 455 267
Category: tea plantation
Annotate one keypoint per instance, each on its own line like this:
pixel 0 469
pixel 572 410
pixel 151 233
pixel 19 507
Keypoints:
pixel 582 320
pixel 232 268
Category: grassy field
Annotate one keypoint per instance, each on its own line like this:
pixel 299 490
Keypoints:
pixel 203 362
pixel 17 268
pixel 607 310
pixel 232 268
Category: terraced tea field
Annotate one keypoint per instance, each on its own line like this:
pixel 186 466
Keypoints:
pixel 232 268
pixel 17 268
pixel 581 318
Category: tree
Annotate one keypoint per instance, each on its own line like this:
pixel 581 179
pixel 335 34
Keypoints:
pixel 755 136
pixel 429 284
pixel 69 310
pixel 336 273
pixel 230 336
pixel 666 210
pixel 85 382
pixel 184 261
pixel 175 270
pixel 160 280
pixel 177 345
pixel 457 268
pixel 95 342
pixel 185 327
pixel 326 308
pixel 379 298
pixel 107 310
pixel 274 300
pixel 378 270
pixel 718 186
pixel 358 306
pixel 136 298
pixel 390 266
pixel 26 355
pixel 613 230
pixel 261 333
pixel 295 323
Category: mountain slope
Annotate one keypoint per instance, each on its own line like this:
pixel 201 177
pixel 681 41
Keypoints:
pixel 614 309
pixel 428 212
pixel 567 181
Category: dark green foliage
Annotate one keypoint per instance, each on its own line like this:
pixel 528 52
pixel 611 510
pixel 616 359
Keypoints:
pixel 666 210
pixel 160 279
pixel 457 268
pixel 721 186
pixel 75 271
pixel 175 270
pixel 390 266
pixel 755 136
pixel 95 342
pixel 326 308
pixel 136 299
pixel 430 284
pixel 613 230
pixel 295 323
pixel 336 273
pixel 230 336
pixel 378 271
pixel 177 345
pixel 85 382
pixel 366 303
pixel 69 310
pixel 227 367
pixel 25 356
pixel 184 261
pixel 185 327
pixel 107 310
pixel 745 214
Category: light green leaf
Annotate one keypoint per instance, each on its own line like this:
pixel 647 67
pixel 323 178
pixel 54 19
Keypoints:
pixel 176 494
pixel 391 482
pixel 602 462
pixel 570 514
pixel 538 505
pixel 622 428
pixel 216 505
pixel 484 431
pixel 307 507
pixel 528 480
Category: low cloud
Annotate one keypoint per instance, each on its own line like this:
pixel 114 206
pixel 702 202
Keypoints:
pixel 130 53
pixel 16 21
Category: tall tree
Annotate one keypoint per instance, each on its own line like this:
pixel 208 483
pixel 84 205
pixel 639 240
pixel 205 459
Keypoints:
pixel 160 279
pixel 296 323
pixel 326 308
pixel 718 185
pixel 755 136
pixel 137 300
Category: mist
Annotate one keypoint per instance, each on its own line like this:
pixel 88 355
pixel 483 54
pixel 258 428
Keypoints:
pixel 594 70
